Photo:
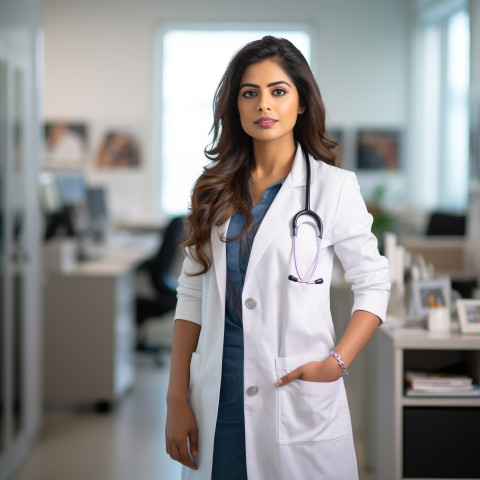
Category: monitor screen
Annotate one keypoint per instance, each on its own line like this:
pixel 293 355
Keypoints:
pixel 62 198
pixel 97 204
pixel 72 187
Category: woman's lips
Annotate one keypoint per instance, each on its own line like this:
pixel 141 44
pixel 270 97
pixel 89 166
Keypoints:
pixel 266 122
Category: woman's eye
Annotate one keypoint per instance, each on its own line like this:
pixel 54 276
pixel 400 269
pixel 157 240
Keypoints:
pixel 248 94
pixel 279 91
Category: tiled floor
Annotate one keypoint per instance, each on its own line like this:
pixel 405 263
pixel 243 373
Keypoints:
pixel 127 444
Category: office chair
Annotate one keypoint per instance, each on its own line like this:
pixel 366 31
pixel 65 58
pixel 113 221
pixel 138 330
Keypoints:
pixel 446 224
pixel 163 282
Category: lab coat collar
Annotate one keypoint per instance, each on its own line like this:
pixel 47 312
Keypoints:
pixel 282 210
pixel 299 172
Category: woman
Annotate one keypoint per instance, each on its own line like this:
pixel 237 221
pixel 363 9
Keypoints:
pixel 256 386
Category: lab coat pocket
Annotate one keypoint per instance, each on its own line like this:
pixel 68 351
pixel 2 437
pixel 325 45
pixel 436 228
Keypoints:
pixel 194 368
pixel 310 412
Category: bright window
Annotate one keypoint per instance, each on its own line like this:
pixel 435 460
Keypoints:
pixel 190 64
pixel 456 111
pixel 444 110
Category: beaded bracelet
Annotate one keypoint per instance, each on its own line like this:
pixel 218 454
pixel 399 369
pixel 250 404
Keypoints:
pixel 338 358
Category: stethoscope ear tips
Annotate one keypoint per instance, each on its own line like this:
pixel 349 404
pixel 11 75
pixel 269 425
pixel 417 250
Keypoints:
pixel 318 281
pixel 292 278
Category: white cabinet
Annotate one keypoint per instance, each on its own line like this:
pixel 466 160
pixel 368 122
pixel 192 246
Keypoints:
pixel 427 437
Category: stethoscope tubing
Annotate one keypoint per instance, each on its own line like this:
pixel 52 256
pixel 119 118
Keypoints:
pixel 295 227
pixel 299 277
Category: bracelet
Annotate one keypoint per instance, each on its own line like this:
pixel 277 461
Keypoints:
pixel 338 358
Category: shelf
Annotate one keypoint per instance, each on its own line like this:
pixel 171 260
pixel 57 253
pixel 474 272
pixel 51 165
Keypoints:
pixel 422 339
pixel 441 401
pixel 405 424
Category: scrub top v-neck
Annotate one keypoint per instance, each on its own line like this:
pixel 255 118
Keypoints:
pixel 229 460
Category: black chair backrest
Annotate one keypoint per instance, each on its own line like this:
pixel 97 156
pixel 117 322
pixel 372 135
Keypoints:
pixel 446 224
pixel 161 265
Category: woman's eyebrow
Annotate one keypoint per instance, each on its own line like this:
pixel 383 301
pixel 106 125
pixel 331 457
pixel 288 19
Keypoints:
pixel 252 85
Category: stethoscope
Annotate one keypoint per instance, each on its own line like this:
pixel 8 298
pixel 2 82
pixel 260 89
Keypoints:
pixel 295 229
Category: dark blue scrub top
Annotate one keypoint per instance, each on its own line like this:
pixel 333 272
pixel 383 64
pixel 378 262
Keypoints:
pixel 229 447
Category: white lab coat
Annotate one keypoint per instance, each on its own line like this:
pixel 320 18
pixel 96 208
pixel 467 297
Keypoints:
pixel 302 430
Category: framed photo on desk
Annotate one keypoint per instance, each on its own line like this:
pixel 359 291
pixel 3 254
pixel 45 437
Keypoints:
pixel 429 293
pixel 469 315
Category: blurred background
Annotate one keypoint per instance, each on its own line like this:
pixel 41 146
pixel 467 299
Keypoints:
pixel 105 109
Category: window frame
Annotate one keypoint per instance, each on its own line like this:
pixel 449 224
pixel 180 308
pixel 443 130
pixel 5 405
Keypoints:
pixel 158 106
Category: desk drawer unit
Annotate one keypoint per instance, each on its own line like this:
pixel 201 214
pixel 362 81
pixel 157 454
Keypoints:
pixel 89 337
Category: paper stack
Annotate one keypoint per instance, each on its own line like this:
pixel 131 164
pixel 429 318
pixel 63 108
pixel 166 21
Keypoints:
pixel 423 384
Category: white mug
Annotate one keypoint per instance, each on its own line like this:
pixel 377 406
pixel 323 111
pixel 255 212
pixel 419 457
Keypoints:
pixel 439 319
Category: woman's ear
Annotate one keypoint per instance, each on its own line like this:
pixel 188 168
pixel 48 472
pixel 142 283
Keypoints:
pixel 301 109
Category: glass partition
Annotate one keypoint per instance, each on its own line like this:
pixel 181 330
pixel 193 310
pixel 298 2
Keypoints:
pixel 3 114
pixel 18 236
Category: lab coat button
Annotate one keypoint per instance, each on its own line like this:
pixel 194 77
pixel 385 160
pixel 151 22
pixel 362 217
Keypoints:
pixel 250 303
pixel 253 390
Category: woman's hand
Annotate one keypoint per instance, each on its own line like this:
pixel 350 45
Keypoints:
pixel 327 370
pixel 181 425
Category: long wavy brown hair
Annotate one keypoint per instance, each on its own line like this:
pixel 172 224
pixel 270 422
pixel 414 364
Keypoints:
pixel 222 189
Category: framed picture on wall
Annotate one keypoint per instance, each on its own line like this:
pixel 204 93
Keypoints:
pixel 65 144
pixel 337 135
pixel 119 148
pixel 378 149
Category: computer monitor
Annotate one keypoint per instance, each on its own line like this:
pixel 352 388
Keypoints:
pixel 72 187
pixel 62 199
pixel 97 204
pixel 97 212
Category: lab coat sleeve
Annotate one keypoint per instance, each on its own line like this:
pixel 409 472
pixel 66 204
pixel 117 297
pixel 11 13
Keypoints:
pixel 189 293
pixel 357 248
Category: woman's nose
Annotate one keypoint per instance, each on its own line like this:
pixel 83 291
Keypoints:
pixel 263 104
pixel 263 108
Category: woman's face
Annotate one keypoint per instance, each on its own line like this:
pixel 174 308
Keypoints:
pixel 268 102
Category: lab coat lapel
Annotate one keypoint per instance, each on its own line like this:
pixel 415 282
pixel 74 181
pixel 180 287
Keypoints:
pixel 220 258
pixel 282 210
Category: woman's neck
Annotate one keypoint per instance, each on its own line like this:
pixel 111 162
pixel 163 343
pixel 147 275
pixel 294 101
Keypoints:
pixel 273 160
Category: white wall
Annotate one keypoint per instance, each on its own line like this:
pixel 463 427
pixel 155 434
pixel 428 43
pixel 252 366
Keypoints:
pixel 99 68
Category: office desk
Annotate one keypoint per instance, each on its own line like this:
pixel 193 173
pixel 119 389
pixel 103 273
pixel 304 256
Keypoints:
pixel 90 326
pixel 398 418
pixel 143 225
